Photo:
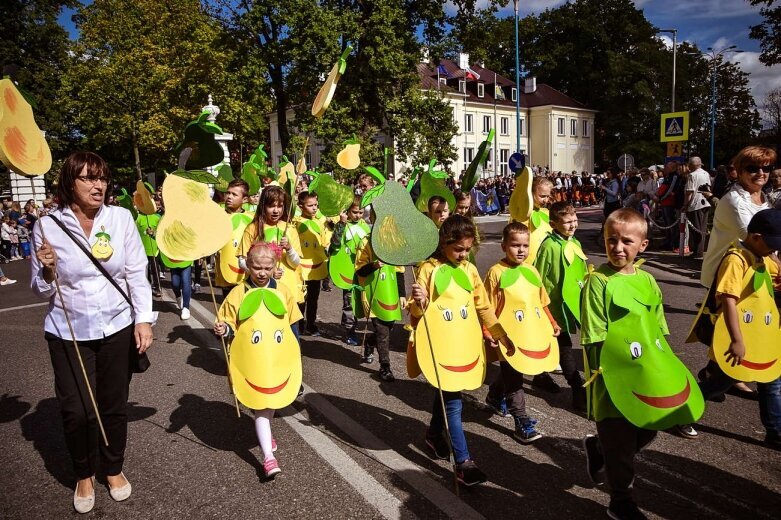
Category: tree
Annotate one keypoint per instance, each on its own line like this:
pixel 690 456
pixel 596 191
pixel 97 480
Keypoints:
pixel 768 32
pixel 771 108
pixel 32 40
pixel 141 70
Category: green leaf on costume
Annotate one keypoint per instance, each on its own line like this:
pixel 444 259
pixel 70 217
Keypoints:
pixel 461 278
pixel 442 279
pixel 762 278
pixel 508 278
pixel 273 303
pixel 210 127
pixel 413 177
pixel 538 217
pixel 372 194
pixel 375 173
pixel 250 304
pixel 530 275
pixel 201 176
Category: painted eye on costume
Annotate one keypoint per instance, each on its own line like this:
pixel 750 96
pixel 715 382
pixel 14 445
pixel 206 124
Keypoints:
pixel 235 243
pixel 635 350
pixel 464 313
pixel 383 276
pixel 748 316
pixel 519 315
pixel 580 284
pixel 447 314
pixel 768 318
pixel 537 310
pixel 306 243
pixel 347 250
pixel 278 336
pixel 256 337
pixel 659 345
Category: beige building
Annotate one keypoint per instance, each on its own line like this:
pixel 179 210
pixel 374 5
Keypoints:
pixel 556 130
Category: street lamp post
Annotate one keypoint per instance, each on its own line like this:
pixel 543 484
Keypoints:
pixel 675 51
pixel 517 84
pixel 715 56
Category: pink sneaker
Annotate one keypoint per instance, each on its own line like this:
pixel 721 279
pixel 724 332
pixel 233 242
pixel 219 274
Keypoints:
pixel 273 444
pixel 271 467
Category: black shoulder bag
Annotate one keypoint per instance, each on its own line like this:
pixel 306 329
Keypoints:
pixel 139 362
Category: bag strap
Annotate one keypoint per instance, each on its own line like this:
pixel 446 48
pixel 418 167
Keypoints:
pixel 94 260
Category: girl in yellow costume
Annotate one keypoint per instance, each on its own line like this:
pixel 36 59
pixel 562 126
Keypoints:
pixel 264 351
pixel 270 225
pixel 450 303
pixel 539 222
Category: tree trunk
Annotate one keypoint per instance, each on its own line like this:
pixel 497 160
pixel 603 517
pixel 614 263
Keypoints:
pixel 279 92
pixel 136 154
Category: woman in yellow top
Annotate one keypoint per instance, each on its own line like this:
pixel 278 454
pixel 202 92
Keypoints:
pixel 270 225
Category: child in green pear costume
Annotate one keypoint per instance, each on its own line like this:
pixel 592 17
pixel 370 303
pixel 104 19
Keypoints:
pixel 740 322
pixel 562 266
pixel 383 297
pixel 348 235
pixel 636 383
pixel 147 225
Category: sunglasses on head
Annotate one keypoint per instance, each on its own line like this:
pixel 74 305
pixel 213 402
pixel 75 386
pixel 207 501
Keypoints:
pixel 754 168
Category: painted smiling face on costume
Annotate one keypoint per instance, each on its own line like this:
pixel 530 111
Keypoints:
pixel 382 292
pixel 265 360
pixel 646 381
pixel 229 265
pixel 454 331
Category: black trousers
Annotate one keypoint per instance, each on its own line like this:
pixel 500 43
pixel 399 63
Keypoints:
pixel 107 362
pixel 382 331
pixel 309 307
pixel 509 384
pixel 567 361
pixel 153 272
pixel 699 219
pixel 619 442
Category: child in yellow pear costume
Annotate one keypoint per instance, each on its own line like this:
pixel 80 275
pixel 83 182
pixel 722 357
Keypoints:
pixel 265 357
pixel 521 302
pixel 450 303
pixel 740 315
pixel 314 261
pixel 539 221
pixel 229 273
pixel 270 225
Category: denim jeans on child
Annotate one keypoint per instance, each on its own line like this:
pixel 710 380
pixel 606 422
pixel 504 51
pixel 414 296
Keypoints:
pixel 453 407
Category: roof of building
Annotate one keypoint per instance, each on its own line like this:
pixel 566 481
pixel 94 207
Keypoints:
pixel 544 95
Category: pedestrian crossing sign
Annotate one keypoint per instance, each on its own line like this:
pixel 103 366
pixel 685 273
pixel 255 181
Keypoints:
pixel 675 127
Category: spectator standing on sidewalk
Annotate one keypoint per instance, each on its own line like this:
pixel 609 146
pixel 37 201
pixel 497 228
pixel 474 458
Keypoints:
pixel 696 204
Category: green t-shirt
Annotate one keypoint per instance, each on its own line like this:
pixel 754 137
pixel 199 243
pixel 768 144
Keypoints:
pixel 594 324
pixel 144 222
pixel 550 264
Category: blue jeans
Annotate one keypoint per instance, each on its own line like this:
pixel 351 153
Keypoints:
pixel 436 427
pixel 180 281
pixel 769 396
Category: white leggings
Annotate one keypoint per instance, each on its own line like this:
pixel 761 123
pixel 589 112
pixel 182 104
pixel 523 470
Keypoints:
pixel 263 431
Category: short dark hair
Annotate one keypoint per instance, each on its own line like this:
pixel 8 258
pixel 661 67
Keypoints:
pixel 512 228
pixel 240 182
pixel 455 228
pixel 561 208
pixel 306 195
pixel 73 166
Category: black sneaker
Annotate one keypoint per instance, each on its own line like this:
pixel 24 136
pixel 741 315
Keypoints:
pixel 595 462
pixel 545 382
pixel 686 431
pixel 438 447
pixel 314 332
pixel 368 354
pixel 351 340
pixel 525 432
pixel 386 374
pixel 624 510
pixel 579 398
pixel 468 474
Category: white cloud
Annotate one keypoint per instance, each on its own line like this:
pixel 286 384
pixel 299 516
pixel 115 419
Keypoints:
pixel 666 40
pixel 762 79
pixel 699 8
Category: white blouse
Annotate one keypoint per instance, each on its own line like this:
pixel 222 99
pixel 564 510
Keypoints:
pixel 730 224
pixel 95 307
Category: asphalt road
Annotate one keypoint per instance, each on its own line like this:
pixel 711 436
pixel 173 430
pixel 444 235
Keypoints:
pixel 352 446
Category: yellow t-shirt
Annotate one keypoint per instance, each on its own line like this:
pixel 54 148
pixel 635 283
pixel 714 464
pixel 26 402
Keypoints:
pixel 292 277
pixel 229 310
pixel 733 268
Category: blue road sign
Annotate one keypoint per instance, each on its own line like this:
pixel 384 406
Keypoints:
pixel 516 162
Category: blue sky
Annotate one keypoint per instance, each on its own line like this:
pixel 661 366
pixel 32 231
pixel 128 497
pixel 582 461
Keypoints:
pixel 708 23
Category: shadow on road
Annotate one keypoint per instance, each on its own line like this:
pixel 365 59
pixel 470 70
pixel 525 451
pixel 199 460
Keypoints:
pixel 12 408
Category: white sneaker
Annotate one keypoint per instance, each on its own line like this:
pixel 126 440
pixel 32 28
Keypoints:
pixel 7 281
pixel 179 301
pixel 185 313
pixel 197 288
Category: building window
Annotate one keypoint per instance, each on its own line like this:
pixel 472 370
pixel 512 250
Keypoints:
pixel 504 154
pixel 462 86
pixel 523 124
pixel 573 127
pixel 468 123
pixel 515 94
pixel 469 154
pixel 481 90
pixel 486 124
pixel 561 128
pixel 586 129
pixel 443 81
pixel 504 126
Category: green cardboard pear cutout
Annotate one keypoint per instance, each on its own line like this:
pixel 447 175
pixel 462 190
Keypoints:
pixel 332 197
pixel 646 381
pixel 382 293
pixel 341 265
pixel 401 235
pixel 198 148
pixel 432 183
pixel 265 360
pixel 475 169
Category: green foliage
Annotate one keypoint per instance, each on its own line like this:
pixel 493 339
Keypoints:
pixel 769 31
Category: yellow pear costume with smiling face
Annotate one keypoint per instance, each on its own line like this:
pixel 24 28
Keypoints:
pixel 265 358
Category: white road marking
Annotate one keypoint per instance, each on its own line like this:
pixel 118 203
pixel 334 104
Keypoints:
pixel 432 490
pixel 20 307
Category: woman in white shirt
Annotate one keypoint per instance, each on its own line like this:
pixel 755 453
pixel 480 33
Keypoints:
pixel 104 324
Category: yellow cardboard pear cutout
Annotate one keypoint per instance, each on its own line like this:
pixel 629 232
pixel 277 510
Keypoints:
pixel 521 202
pixel 455 332
pixel 265 358
pixel 524 319
pixel 22 145
pixel 326 93
pixel 314 264
pixel 193 225
pixel 143 200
